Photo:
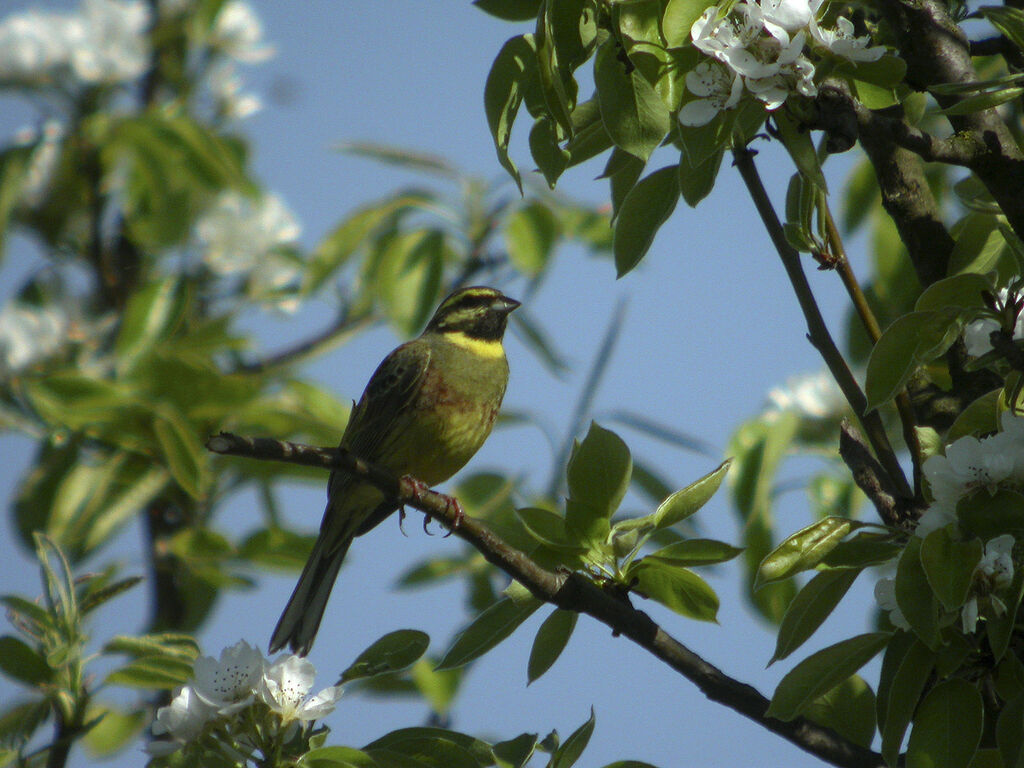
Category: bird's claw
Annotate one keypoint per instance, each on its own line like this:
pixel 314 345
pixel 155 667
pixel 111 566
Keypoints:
pixel 418 488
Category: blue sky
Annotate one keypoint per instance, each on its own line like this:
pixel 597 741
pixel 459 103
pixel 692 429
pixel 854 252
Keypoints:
pixel 710 326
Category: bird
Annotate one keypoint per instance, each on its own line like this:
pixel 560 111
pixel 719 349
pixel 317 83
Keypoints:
pixel 426 410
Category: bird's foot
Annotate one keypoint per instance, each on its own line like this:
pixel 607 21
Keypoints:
pixel 452 506
pixel 401 520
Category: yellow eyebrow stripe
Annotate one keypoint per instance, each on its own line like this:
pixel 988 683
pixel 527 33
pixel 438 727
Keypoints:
pixel 481 347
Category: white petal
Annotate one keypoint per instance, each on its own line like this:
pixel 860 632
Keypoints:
pixel 698 112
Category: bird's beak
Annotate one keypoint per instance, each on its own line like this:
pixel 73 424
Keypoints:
pixel 505 305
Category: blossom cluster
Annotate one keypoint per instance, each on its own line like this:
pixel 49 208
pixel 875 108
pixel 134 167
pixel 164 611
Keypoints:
pixel 241 680
pixel 106 42
pixel 970 465
pixel 758 47
pixel 249 238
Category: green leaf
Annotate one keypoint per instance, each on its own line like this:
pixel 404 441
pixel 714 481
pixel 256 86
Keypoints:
pixel 513 68
pixel 336 757
pixel 182 452
pixel 848 709
pixel 962 291
pixel 695 552
pixel 632 111
pixel 622 171
pixel 949 565
pixel 391 653
pixel 675 587
pixel 1010 731
pixel 978 418
pixel 903 696
pixel 645 208
pixel 171 644
pixel 530 235
pixel 551 159
pixel 1008 20
pixel 551 639
pixel 809 609
pixel 598 473
pixel 804 549
pixel 801 148
pixel 435 747
pixel 510 10
pixel 439 688
pixel 820 672
pixel 909 342
pixel 13 166
pixel 113 730
pixel 160 672
pixel 987 515
pixel 22 663
pixel 999 629
pixel 947 727
pixel 979 244
pixel 515 753
pixel 678 19
pixel 914 595
pixel 886 72
pixel 984 101
pixel 863 550
pixel 571 749
pixel 683 503
pixel 486 631
pixel 697 181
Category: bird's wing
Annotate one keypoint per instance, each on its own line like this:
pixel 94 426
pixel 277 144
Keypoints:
pixel 384 410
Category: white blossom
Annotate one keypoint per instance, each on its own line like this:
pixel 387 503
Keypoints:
pixel 238 32
pixel 228 684
pixel 789 15
pixel 815 396
pixel 718 88
pixel 285 686
pixel 993 573
pixel 240 231
pixel 977 334
pixel 103 42
pixel 937 516
pixel 226 87
pixel 114 47
pixel 842 42
pixel 29 333
pixel 885 596
pixel 183 720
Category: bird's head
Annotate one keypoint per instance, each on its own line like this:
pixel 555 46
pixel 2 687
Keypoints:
pixel 478 312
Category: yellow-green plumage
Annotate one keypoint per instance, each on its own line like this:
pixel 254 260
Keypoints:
pixel 426 410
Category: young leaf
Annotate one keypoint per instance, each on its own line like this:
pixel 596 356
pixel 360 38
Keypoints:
pixel 646 207
pixel 675 587
pixel 804 549
pixel 391 653
pixel 947 727
pixel 683 503
pixel 820 672
pixel 571 749
pixel 487 630
pixel 22 663
pixel 811 606
pixel 599 471
pixel 960 291
pixel 515 753
pixel 162 672
pixel 551 639
pixel 695 552
pixel 988 515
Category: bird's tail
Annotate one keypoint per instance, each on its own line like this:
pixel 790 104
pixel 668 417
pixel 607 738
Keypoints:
pixel 301 618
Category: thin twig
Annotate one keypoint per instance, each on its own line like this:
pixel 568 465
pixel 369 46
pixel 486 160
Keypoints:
pixel 817 331
pixel 870 322
pixel 570 591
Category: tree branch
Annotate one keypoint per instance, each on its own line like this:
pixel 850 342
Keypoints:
pixel 937 52
pixel 570 591
pixel 817 331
